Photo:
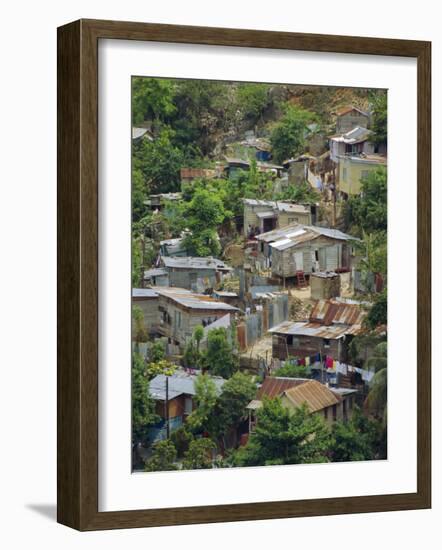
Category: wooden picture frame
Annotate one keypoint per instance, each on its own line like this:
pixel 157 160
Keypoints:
pixel 78 274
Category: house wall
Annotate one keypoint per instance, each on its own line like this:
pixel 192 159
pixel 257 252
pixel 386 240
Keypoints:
pixel 149 306
pixel 347 122
pixel 286 218
pixel 350 173
pixel 196 280
pixel 285 346
pixel 323 288
pixel 250 217
pixel 332 255
pixel 340 411
pixel 297 172
pixel 283 218
pixel 178 323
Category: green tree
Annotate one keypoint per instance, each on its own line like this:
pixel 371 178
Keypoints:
pixel 220 357
pixel 253 100
pixel 378 311
pixel 157 351
pixel 159 161
pixel 138 195
pixel 181 438
pixel 379 117
pixel 378 359
pixel 204 213
pixel 163 457
pixel 199 455
pixel 143 406
pixel 356 439
pixel 285 437
pixel 377 396
pixel 288 136
pixel 205 398
pixel 292 371
pixel 368 212
pixel 138 326
pixel 163 366
pixel 373 248
pixel 235 395
pixel 152 99
pixel 302 193
pixel 137 262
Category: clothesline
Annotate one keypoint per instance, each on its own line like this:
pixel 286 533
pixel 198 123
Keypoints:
pixel 331 365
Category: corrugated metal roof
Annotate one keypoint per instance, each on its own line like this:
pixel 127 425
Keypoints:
pixel 275 386
pixel 254 404
pixel 350 108
pixel 144 293
pixel 155 272
pixel 189 262
pixel 225 294
pixel 316 330
pixel 331 311
pixel 312 393
pixel 191 300
pixel 356 135
pixel 299 233
pixel 138 132
pixel 266 214
pixel 180 382
pixel 282 206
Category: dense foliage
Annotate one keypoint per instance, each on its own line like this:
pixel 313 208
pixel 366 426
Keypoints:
pixel 285 437
pixel 368 211
pixel 288 136
pixel 143 406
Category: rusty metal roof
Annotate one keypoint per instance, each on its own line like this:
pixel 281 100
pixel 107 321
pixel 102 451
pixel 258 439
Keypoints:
pixel 191 300
pixel 316 330
pixel 350 108
pixel 314 394
pixel 332 312
pixel 275 386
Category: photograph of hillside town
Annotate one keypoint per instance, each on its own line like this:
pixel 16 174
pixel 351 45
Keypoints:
pixel 259 274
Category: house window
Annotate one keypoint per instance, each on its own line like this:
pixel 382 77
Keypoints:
pixel 187 405
pixel 334 410
pixel 326 413
pixel 289 340
pixel 326 342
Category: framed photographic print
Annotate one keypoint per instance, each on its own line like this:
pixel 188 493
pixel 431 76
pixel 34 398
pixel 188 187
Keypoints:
pixel 243 275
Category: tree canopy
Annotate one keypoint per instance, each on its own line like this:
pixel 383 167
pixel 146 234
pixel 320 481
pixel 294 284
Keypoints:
pixel 288 136
pixel 285 437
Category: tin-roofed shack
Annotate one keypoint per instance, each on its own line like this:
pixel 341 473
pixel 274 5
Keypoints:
pixel 196 274
pixel 331 326
pixel 178 311
pixel 261 216
pixel 179 395
pixel 332 403
pixel 307 249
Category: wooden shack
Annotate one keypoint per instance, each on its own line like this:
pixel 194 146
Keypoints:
pixel 331 326
pixel 307 249
pixel 325 285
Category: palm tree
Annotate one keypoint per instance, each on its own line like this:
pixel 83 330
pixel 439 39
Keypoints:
pixel 377 396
